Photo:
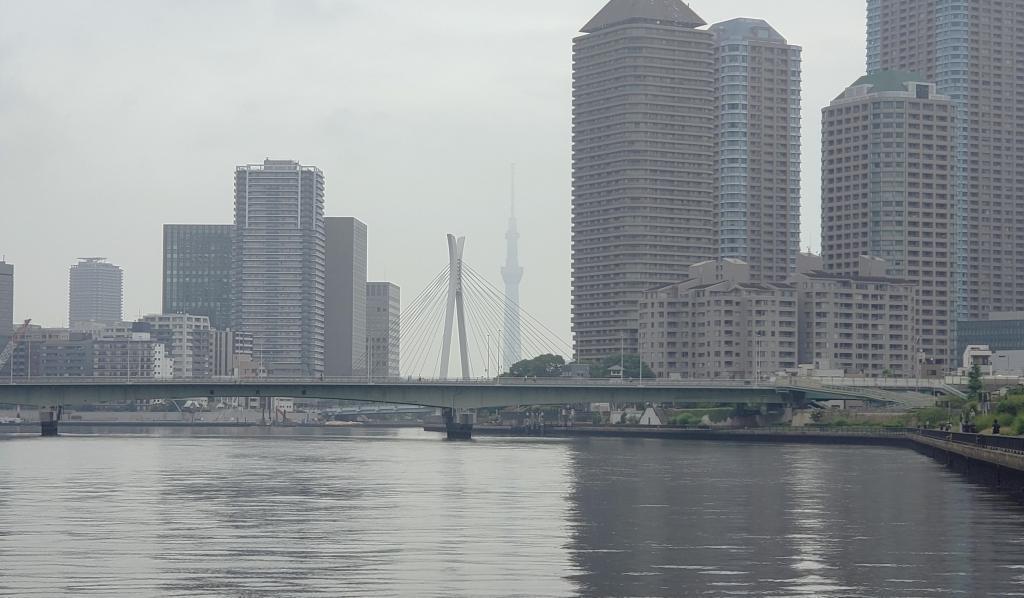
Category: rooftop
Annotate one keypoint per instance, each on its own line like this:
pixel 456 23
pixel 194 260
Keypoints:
pixel 661 12
pixel 743 29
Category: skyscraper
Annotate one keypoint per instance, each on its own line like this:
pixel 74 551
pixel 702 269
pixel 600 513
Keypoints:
pixel 887 191
pixel 346 351
pixel 970 50
pixel 95 295
pixel 197 271
pixel 757 165
pixel 643 206
pixel 6 301
pixel 512 274
pixel 278 278
pixel 383 328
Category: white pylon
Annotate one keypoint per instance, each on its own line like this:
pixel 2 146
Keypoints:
pixel 456 306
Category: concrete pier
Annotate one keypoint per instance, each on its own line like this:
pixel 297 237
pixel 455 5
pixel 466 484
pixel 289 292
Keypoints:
pixel 48 419
pixel 458 424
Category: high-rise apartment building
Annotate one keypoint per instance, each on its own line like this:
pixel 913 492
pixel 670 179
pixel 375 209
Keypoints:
pixel 383 328
pixel 888 189
pixel 278 279
pixel 197 271
pixel 6 300
pixel 757 162
pixel 643 206
pixel 96 294
pixel 346 297
pixel 970 49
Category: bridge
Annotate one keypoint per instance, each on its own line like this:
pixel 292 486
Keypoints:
pixel 458 398
pixel 441 308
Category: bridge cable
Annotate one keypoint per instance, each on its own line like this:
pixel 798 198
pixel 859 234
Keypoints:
pixel 531 331
pixel 532 324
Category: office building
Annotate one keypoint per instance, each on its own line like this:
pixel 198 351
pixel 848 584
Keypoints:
pixel 197 271
pixel 6 301
pixel 187 340
pixel 346 297
pixel 970 51
pixel 1002 331
pixel 383 328
pixel 862 324
pixel 643 205
pixel 717 324
pixel 96 294
pixel 888 192
pixel 278 279
pixel 757 163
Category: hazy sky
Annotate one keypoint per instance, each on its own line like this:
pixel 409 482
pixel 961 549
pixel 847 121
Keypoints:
pixel 117 116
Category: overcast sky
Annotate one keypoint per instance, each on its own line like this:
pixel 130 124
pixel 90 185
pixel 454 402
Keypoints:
pixel 117 116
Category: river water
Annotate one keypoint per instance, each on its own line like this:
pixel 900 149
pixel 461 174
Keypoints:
pixel 254 513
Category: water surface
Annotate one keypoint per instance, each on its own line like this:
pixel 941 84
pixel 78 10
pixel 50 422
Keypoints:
pixel 254 513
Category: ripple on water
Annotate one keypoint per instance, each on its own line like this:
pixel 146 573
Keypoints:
pixel 349 513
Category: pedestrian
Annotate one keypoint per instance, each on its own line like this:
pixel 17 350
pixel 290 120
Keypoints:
pixel 995 427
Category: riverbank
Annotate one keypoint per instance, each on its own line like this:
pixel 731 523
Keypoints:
pixel 993 461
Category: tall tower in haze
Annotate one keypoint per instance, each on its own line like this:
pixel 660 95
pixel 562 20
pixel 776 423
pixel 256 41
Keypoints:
pixel 512 274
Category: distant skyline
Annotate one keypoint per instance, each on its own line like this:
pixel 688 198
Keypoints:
pixel 124 116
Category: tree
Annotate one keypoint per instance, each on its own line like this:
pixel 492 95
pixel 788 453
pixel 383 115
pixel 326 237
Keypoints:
pixel 974 385
pixel 630 364
pixel 542 366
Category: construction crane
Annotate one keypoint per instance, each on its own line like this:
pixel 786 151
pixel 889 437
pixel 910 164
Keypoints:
pixel 9 349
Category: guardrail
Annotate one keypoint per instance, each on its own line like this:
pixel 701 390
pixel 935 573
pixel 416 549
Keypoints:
pixel 1009 444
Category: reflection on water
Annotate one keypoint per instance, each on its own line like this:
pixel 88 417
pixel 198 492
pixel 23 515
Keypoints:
pixel 349 512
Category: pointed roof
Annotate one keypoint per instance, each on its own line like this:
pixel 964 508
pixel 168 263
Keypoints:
pixel 666 12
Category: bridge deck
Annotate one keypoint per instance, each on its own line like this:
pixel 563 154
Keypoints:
pixel 463 394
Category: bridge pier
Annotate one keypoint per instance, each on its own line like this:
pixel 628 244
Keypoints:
pixel 458 424
pixel 48 419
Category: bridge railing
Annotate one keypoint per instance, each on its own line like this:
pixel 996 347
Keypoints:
pixel 362 380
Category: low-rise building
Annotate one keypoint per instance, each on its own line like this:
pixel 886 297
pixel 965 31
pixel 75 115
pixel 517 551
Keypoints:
pixel 719 325
pixel 1002 331
pixel 187 341
pixel 125 351
pixel 863 325
pixel 231 352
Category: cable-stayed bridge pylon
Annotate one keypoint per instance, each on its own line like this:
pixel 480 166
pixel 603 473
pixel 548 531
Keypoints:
pixel 460 304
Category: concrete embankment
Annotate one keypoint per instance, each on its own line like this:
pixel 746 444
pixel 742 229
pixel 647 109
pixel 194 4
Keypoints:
pixel 868 436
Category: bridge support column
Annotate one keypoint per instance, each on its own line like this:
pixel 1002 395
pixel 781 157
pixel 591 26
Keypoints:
pixel 48 419
pixel 458 424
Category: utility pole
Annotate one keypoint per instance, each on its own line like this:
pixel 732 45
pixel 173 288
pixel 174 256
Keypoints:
pixel 640 350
